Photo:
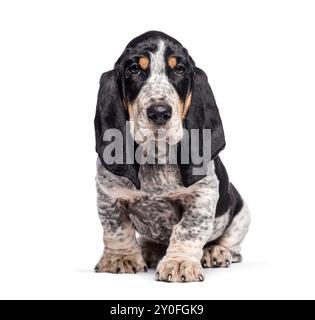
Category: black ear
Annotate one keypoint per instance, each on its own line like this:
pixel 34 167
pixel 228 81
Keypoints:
pixel 203 113
pixel 111 114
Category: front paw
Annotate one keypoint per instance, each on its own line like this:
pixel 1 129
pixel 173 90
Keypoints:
pixel 115 263
pixel 179 270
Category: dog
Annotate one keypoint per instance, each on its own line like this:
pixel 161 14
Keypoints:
pixel 162 215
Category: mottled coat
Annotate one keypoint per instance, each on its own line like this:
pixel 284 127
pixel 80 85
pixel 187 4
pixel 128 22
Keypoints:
pixel 184 221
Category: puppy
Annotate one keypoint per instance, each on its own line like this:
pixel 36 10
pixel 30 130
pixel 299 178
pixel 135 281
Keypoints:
pixel 187 217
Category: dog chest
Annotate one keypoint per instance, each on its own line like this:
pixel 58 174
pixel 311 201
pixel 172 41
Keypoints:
pixel 158 209
pixel 154 217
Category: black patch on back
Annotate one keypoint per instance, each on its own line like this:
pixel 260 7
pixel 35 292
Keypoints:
pixel 229 197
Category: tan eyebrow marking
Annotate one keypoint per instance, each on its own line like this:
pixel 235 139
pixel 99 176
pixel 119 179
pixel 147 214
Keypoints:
pixel 144 62
pixel 172 62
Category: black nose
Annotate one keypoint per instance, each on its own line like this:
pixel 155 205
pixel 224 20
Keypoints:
pixel 159 114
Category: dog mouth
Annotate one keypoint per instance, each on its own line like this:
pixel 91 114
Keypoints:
pixel 161 134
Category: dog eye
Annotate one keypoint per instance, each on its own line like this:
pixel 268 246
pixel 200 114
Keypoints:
pixel 180 68
pixel 134 69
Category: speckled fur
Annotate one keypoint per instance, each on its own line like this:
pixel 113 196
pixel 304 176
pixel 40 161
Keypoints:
pixel 181 229
pixel 166 213
pixel 157 88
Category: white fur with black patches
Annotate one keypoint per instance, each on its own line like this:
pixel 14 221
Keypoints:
pixel 197 219
pixel 153 213
pixel 236 231
pixel 182 261
pixel 226 249
pixel 157 89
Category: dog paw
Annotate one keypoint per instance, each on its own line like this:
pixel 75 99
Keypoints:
pixel 179 270
pixel 216 257
pixel 114 263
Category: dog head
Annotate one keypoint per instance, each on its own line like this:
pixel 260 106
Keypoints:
pixel 156 85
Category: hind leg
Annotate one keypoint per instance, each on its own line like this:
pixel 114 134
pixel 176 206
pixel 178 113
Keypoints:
pixel 152 252
pixel 226 250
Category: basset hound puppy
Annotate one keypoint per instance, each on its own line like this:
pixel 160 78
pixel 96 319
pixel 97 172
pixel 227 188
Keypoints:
pixel 167 214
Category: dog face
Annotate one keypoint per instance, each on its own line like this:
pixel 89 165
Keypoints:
pixel 157 86
pixel 155 75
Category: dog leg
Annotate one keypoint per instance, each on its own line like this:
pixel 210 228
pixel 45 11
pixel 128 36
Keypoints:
pixel 182 260
pixel 226 250
pixel 122 254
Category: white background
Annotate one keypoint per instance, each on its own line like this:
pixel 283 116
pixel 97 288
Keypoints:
pixel 260 60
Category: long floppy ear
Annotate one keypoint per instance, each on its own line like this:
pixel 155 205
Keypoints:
pixel 203 113
pixel 111 114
